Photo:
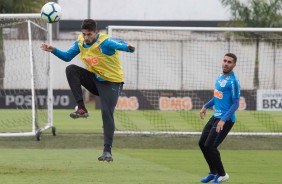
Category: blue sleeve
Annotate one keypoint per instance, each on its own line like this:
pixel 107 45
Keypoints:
pixel 209 104
pixel 232 109
pixel 69 54
pixel 235 87
pixel 109 46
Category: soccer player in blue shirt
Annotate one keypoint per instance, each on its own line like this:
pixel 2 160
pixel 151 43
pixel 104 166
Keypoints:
pixel 225 101
pixel 103 75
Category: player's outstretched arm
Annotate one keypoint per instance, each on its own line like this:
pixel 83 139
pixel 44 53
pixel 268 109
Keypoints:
pixel 63 55
pixel 46 47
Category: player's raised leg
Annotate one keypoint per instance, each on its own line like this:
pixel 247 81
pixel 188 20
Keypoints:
pixel 78 77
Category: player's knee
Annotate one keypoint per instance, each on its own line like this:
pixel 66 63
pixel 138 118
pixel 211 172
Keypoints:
pixel 209 147
pixel 201 144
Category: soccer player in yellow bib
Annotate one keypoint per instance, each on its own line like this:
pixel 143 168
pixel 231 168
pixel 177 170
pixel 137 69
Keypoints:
pixel 103 75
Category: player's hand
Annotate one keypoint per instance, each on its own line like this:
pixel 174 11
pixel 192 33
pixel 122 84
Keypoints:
pixel 219 126
pixel 131 47
pixel 47 47
pixel 203 112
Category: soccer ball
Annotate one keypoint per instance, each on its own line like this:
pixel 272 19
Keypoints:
pixel 51 12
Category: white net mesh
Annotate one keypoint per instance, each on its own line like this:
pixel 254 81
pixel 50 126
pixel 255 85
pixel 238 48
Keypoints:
pixel 172 74
pixel 24 79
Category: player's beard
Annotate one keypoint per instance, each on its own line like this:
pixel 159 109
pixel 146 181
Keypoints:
pixel 227 70
pixel 88 42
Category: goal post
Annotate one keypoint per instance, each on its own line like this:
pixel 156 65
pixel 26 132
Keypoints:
pixel 25 87
pixel 172 74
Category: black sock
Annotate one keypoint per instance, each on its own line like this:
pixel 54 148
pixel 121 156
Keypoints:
pixel 107 148
pixel 81 105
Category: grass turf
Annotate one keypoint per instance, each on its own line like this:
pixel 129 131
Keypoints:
pixel 133 166
pixel 143 120
pixel 189 121
pixel 71 156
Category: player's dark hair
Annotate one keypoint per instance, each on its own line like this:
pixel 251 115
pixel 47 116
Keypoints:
pixel 233 56
pixel 89 24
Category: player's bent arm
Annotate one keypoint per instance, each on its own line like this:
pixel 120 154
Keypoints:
pixel 46 47
pixel 203 112
pixel 205 107
pixel 235 89
pixel 209 104
pixel 116 44
pixel 232 109
pixel 131 47
pixel 67 55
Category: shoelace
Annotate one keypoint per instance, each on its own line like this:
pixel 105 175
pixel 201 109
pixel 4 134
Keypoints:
pixel 81 111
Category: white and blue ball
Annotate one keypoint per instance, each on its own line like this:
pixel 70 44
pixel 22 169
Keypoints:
pixel 51 12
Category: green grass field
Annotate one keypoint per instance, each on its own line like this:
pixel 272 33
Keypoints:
pixel 133 166
pixel 150 120
pixel 71 156
pixel 182 121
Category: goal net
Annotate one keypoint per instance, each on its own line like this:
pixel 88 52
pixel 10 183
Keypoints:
pixel 25 85
pixel 173 72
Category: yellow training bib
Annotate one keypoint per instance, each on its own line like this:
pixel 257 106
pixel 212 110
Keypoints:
pixel 106 67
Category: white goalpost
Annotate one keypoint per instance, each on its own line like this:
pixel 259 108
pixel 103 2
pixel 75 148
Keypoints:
pixel 172 74
pixel 26 93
